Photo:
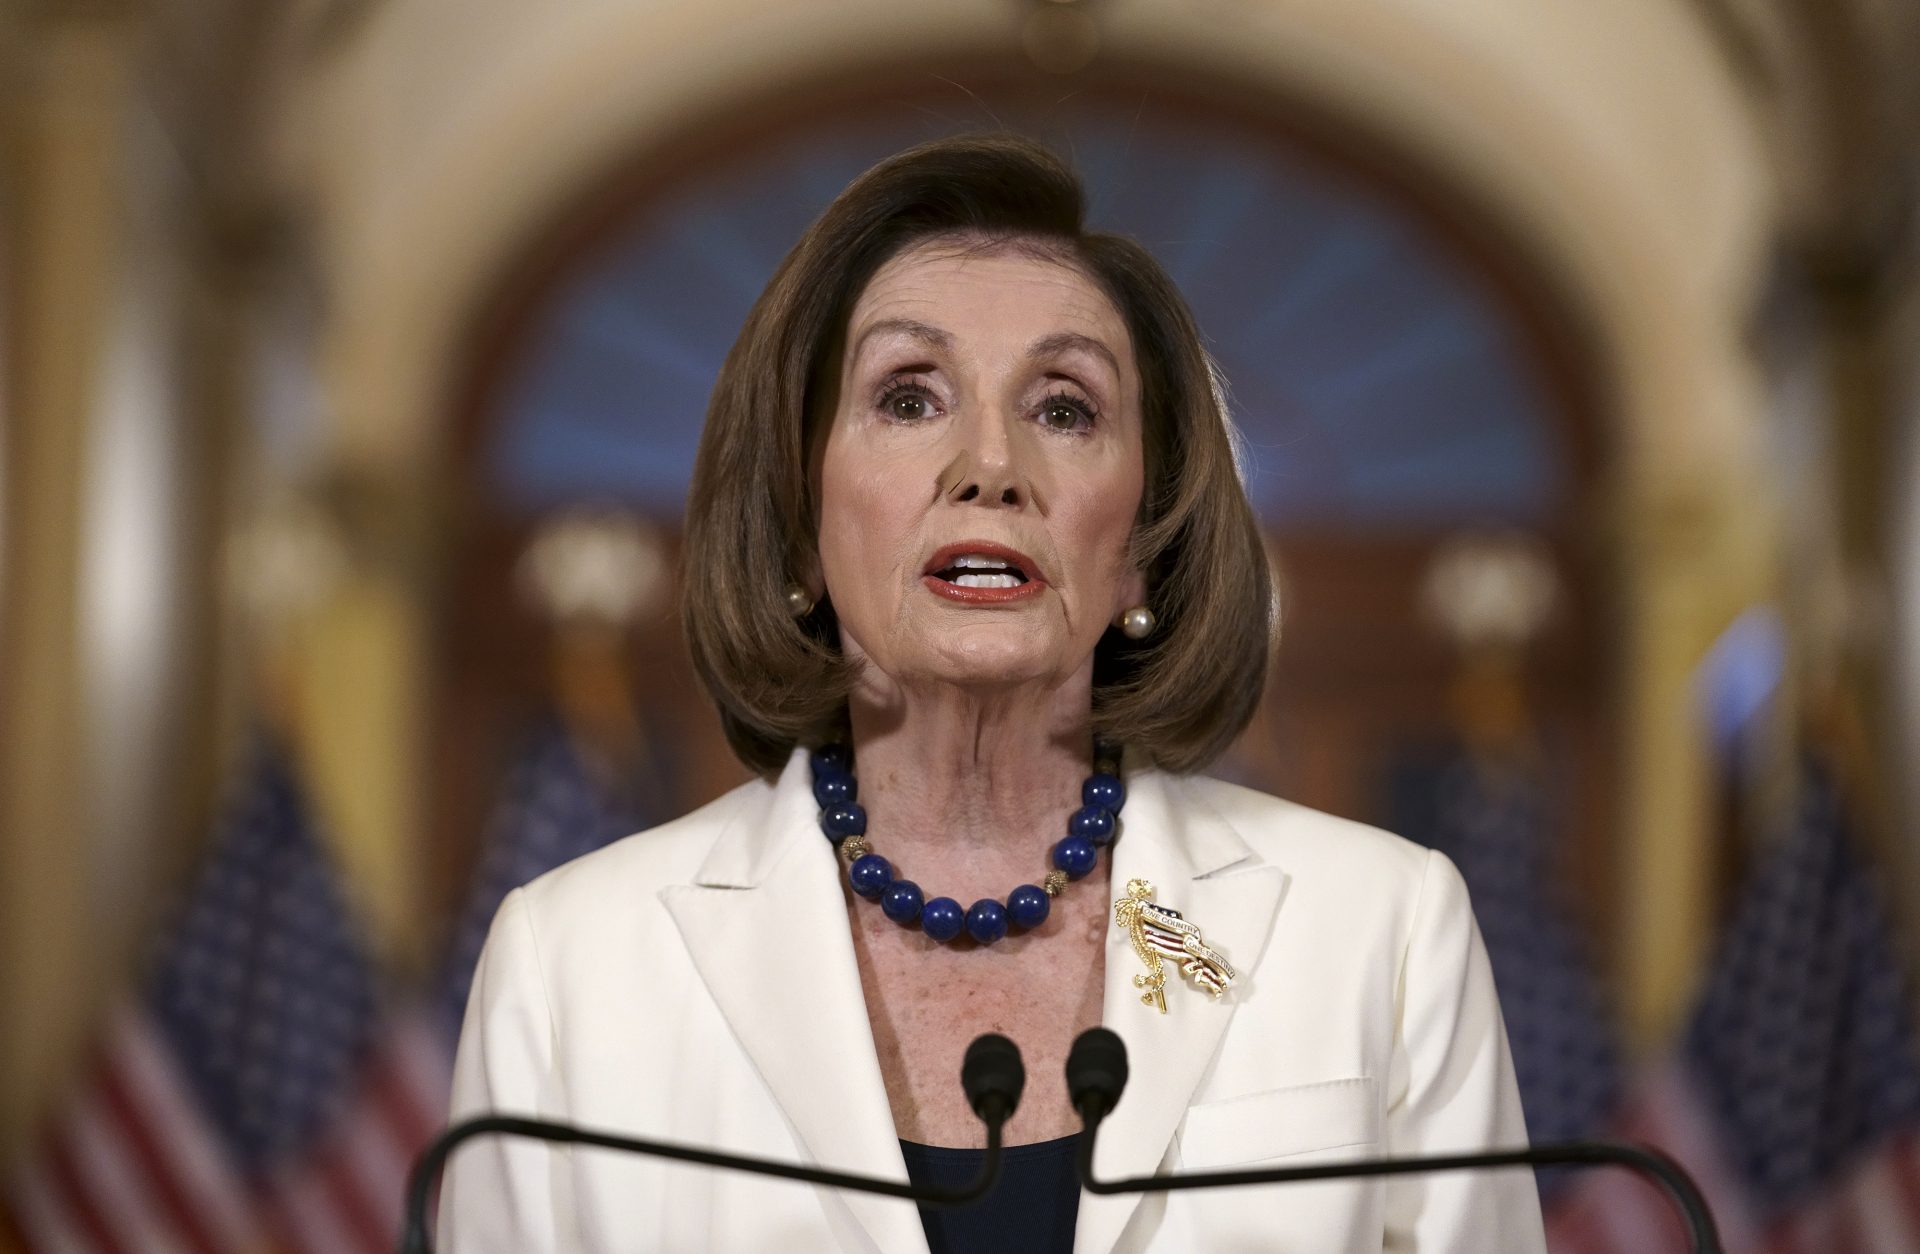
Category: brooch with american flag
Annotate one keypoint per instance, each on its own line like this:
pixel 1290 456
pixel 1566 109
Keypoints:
pixel 1156 932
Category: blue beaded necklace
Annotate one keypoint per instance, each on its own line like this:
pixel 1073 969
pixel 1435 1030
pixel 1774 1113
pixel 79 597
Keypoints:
pixel 1093 825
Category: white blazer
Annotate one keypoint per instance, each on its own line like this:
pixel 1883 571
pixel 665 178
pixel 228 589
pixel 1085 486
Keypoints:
pixel 697 983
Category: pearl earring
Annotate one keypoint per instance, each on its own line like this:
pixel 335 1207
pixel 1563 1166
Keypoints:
pixel 799 604
pixel 1137 623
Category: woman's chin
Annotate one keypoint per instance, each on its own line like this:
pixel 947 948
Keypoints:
pixel 988 658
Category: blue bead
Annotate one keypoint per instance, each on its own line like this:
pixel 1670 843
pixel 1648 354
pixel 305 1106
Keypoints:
pixel 942 918
pixel 843 819
pixel 1028 906
pixel 902 901
pixel 870 874
pixel 1075 855
pixel 986 920
pixel 1093 822
pixel 830 787
pixel 1105 791
pixel 830 758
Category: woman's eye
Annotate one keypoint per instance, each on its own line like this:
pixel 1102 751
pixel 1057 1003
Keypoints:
pixel 906 402
pixel 1066 413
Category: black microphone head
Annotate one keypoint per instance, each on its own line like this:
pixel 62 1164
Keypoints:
pixel 993 1076
pixel 1097 1069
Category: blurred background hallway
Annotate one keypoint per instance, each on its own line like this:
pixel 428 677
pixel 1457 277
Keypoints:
pixel 354 357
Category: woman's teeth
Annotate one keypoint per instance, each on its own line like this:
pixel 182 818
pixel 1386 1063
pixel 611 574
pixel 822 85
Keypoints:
pixel 977 570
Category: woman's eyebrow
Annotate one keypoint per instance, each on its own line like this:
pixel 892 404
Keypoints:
pixel 931 336
pixel 1062 341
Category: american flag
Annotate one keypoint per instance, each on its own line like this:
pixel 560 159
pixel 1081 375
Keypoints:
pixel 558 802
pixel 1795 1095
pixel 258 1093
pixel 1490 817
pixel 247 1097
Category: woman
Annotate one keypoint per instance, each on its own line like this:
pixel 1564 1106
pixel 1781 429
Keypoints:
pixel 965 509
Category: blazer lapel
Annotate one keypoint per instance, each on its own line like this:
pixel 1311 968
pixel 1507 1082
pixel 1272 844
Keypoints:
pixel 1201 867
pixel 765 925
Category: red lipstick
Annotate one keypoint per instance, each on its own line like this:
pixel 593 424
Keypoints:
pixel 1017 563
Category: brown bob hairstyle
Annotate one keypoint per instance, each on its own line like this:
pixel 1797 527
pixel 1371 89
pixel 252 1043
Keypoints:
pixel 1182 694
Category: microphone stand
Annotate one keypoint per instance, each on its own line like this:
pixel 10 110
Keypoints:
pixel 1097 1071
pixel 1671 1177
pixel 991 1074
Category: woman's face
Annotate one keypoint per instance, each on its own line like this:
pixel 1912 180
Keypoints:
pixel 982 470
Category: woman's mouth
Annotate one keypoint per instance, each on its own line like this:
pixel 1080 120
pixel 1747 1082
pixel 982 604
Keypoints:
pixel 973 570
pixel 982 573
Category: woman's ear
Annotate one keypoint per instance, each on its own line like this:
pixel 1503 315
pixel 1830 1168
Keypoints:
pixel 1131 592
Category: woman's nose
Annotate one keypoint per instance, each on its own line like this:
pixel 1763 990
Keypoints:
pixel 985 469
pixel 987 488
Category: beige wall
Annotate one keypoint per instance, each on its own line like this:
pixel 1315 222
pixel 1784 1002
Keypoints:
pixel 64 243
pixel 114 500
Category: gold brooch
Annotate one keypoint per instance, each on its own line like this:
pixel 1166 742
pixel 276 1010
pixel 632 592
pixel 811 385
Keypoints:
pixel 1156 930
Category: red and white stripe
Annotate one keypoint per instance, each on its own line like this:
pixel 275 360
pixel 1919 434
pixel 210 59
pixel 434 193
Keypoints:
pixel 1873 1209
pixel 349 1192
pixel 1616 1211
pixel 133 1167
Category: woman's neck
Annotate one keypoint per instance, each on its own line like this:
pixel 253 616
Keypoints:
pixel 967 790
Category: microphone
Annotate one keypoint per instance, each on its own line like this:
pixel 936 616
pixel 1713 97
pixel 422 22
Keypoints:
pixel 1097 1074
pixel 993 1077
pixel 991 1074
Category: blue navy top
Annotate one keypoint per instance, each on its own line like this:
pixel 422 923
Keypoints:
pixel 1031 1209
